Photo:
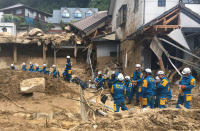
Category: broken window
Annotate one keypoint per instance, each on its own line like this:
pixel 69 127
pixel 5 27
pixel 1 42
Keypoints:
pixel 190 1
pixel 136 6
pixel 122 14
pixel 161 3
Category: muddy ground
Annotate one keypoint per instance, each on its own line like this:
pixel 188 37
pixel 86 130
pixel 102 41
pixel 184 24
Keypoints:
pixel 58 108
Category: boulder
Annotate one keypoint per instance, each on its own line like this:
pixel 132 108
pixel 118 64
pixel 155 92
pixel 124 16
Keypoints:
pixel 35 31
pixel 32 85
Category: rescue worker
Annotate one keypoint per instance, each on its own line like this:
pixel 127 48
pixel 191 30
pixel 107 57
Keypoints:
pixel 186 84
pixel 31 69
pixel 37 68
pixel 137 79
pixel 129 87
pixel 112 79
pixel 55 72
pixel 118 92
pixel 68 70
pixel 148 90
pixel 24 66
pixel 99 81
pixel 163 88
pixel 45 70
pixel 12 67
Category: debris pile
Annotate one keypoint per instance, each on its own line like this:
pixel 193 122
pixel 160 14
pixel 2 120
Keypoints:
pixel 37 36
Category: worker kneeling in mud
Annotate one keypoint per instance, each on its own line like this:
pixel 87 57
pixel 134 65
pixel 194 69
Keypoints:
pixel 163 88
pixel 55 72
pixel 186 84
pixel 118 92
pixel 112 79
pixel 24 66
pixel 148 90
pixel 99 81
pixel 31 68
pixel 137 79
pixel 12 67
pixel 37 68
pixel 45 70
pixel 129 88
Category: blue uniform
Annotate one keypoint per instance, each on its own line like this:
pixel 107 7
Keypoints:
pixel 189 83
pixel 137 76
pixel 100 80
pixel 31 69
pixel 148 92
pixel 112 81
pixel 37 69
pixel 118 92
pixel 68 71
pixel 56 73
pixel 163 89
pixel 129 88
pixel 45 71
pixel 12 67
pixel 24 67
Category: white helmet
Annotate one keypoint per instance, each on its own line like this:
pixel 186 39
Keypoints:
pixel 31 63
pixel 157 78
pixel 68 57
pixel 120 77
pixel 138 66
pixel 44 65
pixel 53 65
pixel 186 71
pixel 113 72
pixel 128 77
pixel 36 65
pixel 23 63
pixel 99 73
pixel 148 70
pixel 161 72
pixel 12 65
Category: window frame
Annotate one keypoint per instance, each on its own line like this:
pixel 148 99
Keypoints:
pixel 76 15
pixel 66 12
pixel 162 3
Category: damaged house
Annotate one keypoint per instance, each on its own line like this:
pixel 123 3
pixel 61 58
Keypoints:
pixel 158 34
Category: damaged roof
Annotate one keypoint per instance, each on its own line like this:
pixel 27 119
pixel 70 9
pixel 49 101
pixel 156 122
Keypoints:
pixel 91 23
pixel 183 9
pixel 106 37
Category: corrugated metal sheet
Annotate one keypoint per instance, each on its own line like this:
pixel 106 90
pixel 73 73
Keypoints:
pixel 104 50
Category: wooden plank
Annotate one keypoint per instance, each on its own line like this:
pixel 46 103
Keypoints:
pixel 15 53
pixel 44 53
pixel 166 26
pixel 170 19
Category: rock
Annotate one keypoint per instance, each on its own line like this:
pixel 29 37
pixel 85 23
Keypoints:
pixel 32 85
pixel 35 31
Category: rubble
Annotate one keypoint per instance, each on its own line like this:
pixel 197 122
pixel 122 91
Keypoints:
pixel 32 85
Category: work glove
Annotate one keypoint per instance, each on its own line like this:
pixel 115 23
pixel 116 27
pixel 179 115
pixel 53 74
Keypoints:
pixel 182 87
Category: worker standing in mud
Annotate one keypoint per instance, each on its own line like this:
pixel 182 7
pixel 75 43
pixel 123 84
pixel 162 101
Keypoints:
pixel 148 90
pixel 129 88
pixel 37 68
pixel 12 67
pixel 45 70
pixel 24 66
pixel 31 68
pixel 163 87
pixel 112 79
pixel 186 84
pixel 68 70
pixel 99 81
pixel 118 92
pixel 137 79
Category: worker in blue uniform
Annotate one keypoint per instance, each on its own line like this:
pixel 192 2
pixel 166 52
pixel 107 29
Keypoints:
pixel 163 88
pixel 37 68
pixel 118 92
pixel 99 81
pixel 12 67
pixel 31 68
pixel 68 70
pixel 112 79
pixel 55 72
pixel 129 88
pixel 24 67
pixel 148 90
pixel 137 79
pixel 45 70
pixel 186 84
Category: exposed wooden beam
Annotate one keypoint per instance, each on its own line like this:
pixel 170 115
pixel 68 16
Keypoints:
pixel 44 53
pixel 170 19
pixel 166 26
